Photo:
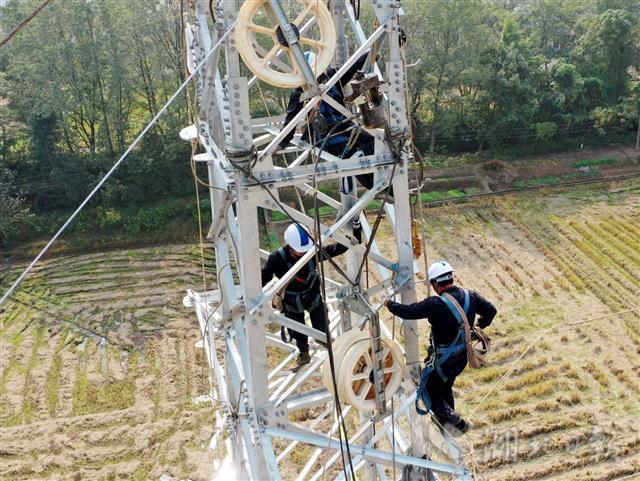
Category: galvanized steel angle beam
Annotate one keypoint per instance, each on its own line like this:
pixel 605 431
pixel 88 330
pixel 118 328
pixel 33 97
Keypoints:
pixel 269 292
pixel 255 396
pixel 330 83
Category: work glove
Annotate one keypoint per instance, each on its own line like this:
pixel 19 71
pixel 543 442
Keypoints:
pixel 482 323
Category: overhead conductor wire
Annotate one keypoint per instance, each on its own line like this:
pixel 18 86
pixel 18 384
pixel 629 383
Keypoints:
pixel 342 429
pixel 319 263
pixel 115 166
pixel 23 24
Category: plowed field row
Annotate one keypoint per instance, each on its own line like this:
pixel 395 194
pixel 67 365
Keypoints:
pixel 569 408
pixel 100 369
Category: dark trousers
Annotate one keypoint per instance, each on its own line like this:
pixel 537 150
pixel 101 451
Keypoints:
pixel 317 321
pixel 365 143
pixel 441 391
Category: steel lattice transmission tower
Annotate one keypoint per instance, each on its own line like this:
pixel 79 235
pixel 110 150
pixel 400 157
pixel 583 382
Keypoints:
pixel 373 372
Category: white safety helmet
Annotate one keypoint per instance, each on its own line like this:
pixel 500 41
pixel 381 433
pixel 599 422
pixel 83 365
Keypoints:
pixel 310 57
pixel 298 238
pixel 440 271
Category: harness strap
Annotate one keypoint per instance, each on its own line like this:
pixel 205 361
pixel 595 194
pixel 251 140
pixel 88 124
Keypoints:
pixel 422 395
pixel 450 349
pixel 283 335
pixel 442 354
pixel 310 281
pixel 463 323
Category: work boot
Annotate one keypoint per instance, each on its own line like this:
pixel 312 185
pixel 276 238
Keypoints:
pixel 464 426
pixel 459 429
pixel 303 359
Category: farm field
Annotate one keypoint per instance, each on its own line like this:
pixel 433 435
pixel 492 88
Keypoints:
pixel 569 408
pixel 99 368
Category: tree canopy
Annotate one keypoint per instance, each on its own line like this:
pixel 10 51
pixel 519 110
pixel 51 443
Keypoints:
pixel 82 79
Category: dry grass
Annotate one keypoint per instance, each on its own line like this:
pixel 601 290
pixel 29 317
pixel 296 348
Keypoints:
pixel 508 414
pixel 130 411
pixel 591 367
pixel 75 409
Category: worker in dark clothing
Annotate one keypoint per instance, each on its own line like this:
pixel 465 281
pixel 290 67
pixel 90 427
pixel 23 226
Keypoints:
pixel 448 351
pixel 329 128
pixel 303 292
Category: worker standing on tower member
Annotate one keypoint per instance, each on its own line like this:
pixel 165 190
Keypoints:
pixel 328 129
pixel 452 316
pixel 303 292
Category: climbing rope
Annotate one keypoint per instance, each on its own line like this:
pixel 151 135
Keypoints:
pixel 342 430
pixel 629 476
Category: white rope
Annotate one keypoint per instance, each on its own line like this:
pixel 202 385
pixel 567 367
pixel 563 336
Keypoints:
pixel 540 336
pixel 116 165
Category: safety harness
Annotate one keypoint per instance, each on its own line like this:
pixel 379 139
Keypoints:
pixel 330 114
pixel 442 353
pixel 323 118
pixel 299 296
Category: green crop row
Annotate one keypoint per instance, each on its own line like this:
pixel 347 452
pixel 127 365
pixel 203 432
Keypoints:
pixel 431 196
pixel 550 180
pixel 593 162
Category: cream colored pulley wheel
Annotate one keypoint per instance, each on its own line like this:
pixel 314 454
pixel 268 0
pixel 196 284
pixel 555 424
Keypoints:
pixel 356 377
pixel 340 346
pixel 258 38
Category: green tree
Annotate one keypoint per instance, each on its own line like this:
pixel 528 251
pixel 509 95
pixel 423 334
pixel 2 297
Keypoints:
pixel 550 25
pixel 83 79
pixel 13 209
pixel 631 103
pixel 450 35
pixel 606 49
pixel 508 87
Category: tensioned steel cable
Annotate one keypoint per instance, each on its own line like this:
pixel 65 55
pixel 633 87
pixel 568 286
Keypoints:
pixel 540 336
pixel 332 366
pixel 117 164
pixel 24 23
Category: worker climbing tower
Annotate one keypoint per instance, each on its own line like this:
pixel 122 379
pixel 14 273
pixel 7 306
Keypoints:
pixel 353 404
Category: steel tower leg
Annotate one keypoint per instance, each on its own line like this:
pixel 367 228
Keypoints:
pixel 262 402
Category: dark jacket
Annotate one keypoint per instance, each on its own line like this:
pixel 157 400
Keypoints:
pixel 444 326
pixel 295 105
pixel 277 266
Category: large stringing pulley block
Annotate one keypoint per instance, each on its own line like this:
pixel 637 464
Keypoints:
pixel 259 38
pixel 354 362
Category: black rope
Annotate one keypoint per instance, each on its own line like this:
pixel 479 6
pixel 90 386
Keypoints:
pixel 332 366
pixel 211 12
pixel 320 254
pixel 380 209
